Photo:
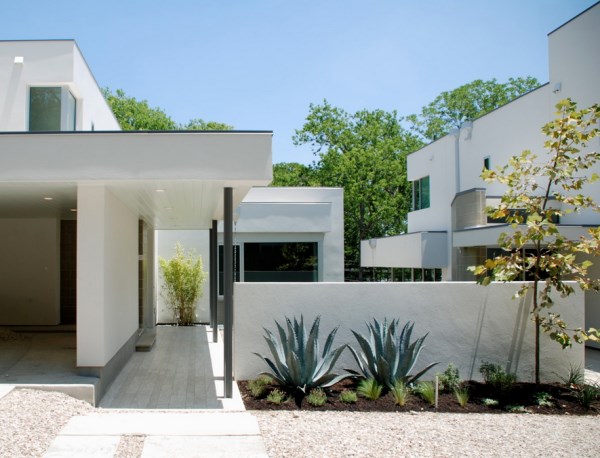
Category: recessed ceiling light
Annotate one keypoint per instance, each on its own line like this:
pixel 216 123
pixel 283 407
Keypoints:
pixel 168 208
pixel 48 198
pixel 73 209
pixel 160 190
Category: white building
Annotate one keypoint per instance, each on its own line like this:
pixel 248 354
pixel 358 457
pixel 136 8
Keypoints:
pixel 448 230
pixel 81 202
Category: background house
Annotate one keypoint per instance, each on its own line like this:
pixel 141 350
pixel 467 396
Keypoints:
pixel 449 230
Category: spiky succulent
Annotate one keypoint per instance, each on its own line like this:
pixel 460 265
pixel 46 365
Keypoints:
pixel 388 355
pixel 297 361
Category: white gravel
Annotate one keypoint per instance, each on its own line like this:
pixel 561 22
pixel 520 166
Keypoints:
pixel 347 434
pixel 29 421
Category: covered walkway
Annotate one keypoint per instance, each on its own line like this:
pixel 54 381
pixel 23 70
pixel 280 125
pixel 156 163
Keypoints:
pixel 183 371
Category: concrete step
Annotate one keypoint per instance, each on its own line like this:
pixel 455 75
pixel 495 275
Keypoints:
pixel 146 341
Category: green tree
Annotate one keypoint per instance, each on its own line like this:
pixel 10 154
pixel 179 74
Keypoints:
pixel 199 124
pixel 539 191
pixel 466 103
pixel 133 114
pixel 294 174
pixel 364 153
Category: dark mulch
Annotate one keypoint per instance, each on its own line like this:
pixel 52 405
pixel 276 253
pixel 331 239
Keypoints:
pixel 522 394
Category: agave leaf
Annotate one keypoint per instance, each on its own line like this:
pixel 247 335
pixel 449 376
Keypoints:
pixel 359 361
pixel 368 353
pixel 275 348
pixel 412 378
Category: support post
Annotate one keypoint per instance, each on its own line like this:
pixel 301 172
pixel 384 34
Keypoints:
pixel 214 281
pixel 228 290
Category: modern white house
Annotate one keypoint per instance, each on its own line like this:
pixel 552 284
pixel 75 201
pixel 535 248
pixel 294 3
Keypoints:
pixel 86 208
pixel 448 229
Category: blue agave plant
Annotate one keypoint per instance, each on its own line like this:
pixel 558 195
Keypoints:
pixel 297 361
pixel 388 355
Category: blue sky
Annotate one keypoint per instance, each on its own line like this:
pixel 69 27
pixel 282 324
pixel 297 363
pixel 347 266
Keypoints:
pixel 258 64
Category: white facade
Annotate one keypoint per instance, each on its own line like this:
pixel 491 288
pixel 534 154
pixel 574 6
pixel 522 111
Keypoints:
pixel 54 63
pixel 458 195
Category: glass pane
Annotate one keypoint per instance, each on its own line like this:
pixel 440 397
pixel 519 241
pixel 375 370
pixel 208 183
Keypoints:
pixel 44 108
pixel 428 274
pixel 71 112
pixel 416 195
pixel 281 262
pixel 425 192
pixel 438 274
pixel 417 274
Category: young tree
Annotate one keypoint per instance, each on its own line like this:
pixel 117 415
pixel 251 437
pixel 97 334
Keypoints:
pixel 365 153
pixel 294 174
pixel 466 103
pixel 200 124
pixel 539 191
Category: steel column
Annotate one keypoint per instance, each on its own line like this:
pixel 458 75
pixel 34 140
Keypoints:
pixel 214 281
pixel 228 290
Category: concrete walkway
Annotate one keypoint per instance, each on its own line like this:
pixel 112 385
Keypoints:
pixel 166 434
pixel 184 370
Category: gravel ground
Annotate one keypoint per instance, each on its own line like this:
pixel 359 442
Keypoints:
pixel 29 421
pixel 347 434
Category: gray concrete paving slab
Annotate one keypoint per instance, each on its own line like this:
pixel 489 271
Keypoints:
pixel 83 446
pixel 208 446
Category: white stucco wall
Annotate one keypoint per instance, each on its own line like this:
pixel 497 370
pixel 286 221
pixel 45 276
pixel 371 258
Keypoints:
pixel 30 271
pixel 48 63
pixel 467 323
pixel 107 275
pixel 197 241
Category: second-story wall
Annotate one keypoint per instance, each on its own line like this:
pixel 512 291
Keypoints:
pixel 51 63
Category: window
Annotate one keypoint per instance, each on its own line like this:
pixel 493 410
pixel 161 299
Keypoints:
pixel 236 266
pixel 421 193
pixel 417 275
pixel 281 262
pixel 486 163
pixel 51 109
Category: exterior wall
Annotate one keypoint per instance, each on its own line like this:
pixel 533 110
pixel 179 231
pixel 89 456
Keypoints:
pixel 489 326
pixel 48 63
pixel 107 275
pixel 437 162
pixel 190 240
pixel 419 250
pixel 30 272
pixel 298 215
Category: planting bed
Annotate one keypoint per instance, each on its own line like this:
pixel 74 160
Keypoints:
pixel 522 397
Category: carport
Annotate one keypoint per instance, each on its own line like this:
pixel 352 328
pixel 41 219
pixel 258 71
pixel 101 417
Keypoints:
pixel 119 187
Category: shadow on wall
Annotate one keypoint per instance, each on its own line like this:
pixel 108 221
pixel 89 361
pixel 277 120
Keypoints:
pixel 467 323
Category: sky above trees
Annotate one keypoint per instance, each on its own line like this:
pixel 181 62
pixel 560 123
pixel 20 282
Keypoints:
pixel 259 64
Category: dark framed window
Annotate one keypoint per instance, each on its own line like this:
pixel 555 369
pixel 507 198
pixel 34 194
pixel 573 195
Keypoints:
pixel 52 109
pixel 281 262
pixel 486 163
pixel 421 193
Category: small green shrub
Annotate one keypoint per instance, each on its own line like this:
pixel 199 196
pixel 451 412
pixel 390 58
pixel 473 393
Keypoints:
pixel 449 380
pixel 400 392
pixel 276 396
pixel 258 387
pixel 348 397
pixel 370 389
pixel 488 402
pixel 494 375
pixel 426 390
pixel 183 278
pixel 586 394
pixel 462 395
pixel 575 376
pixel 316 397
pixel 543 399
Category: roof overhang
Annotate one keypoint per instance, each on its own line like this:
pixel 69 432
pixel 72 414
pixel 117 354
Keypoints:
pixel 418 250
pixel 489 235
pixel 173 180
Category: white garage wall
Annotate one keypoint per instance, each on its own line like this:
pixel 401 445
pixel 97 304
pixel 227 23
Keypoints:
pixel 467 323
pixel 190 240
pixel 30 271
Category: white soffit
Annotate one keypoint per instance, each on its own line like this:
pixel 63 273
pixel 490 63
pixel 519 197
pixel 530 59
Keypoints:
pixel 173 180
